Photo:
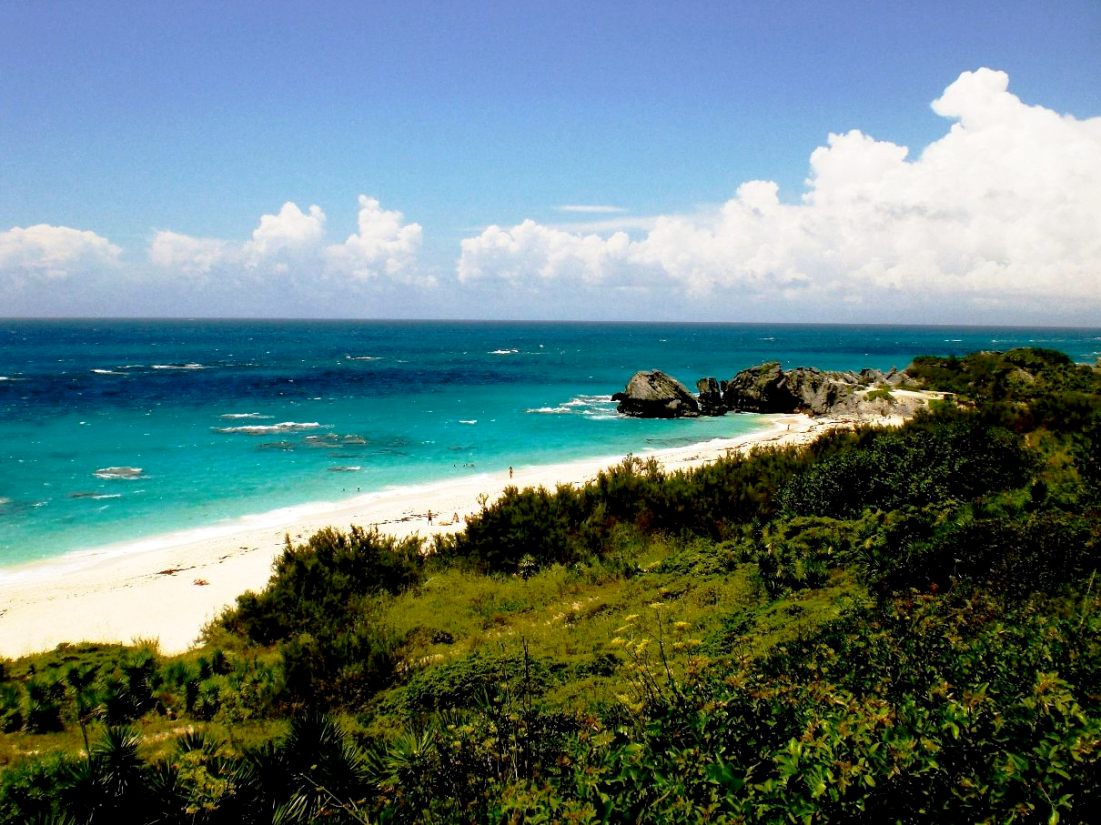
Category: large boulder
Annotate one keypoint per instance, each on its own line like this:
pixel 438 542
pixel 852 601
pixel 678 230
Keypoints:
pixel 820 393
pixel 759 389
pixel 656 395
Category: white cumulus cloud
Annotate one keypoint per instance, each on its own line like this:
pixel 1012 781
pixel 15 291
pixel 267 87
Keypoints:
pixel 384 246
pixel 293 241
pixel 1004 209
pixel 531 250
pixel 291 231
pixel 54 252
pixel 190 255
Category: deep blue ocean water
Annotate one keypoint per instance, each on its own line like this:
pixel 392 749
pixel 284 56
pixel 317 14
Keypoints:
pixel 115 430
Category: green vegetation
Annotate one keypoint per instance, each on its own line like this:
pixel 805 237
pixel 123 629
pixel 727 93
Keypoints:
pixel 885 626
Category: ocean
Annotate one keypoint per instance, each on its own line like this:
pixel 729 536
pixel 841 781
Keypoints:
pixel 118 430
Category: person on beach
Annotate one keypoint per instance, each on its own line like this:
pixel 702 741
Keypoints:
pixel 510 471
pixel 429 516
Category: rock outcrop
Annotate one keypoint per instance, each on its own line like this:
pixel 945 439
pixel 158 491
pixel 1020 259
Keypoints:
pixel 656 395
pixel 759 389
pixel 767 388
pixel 710 396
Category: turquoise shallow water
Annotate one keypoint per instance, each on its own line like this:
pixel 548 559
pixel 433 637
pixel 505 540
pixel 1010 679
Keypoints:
pixel 114 430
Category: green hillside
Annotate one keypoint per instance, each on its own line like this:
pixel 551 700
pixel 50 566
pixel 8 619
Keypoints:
pixel 886 626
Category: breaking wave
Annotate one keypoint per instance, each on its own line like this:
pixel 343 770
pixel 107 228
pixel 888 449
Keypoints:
pixel 269 429
pixel 594 406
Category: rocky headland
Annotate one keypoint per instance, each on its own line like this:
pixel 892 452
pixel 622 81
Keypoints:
pixel 768 388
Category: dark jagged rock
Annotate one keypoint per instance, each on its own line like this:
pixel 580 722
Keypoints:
pixel 656 395
pixel 766 388
pixel 759 389
pixel 710 397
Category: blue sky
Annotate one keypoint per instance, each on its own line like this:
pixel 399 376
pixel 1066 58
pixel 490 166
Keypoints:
pixel 143 146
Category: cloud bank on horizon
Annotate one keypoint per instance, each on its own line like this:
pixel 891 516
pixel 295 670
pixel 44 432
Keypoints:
pixel 1001 216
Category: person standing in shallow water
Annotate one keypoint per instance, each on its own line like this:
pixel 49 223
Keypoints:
pixel 510 471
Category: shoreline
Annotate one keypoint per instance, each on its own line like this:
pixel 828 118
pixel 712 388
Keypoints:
pixel 168 587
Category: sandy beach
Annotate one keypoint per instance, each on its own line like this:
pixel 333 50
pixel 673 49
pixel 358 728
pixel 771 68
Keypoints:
pixel 168 587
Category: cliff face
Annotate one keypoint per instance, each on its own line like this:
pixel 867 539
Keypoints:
pixel 767 388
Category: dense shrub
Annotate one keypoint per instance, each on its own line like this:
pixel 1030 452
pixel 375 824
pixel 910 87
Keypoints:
pixel 315 585
pixel 938 459
pixel 965 691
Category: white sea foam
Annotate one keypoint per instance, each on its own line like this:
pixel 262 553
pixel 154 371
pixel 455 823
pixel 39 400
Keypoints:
pixel 126 473
pixel 590 401
pixel 351 468
pixel 108 372
pixel 253 415
pixel 600 406
pixel 4 501
pixel 363 357
pixel 95 496
pixel 468 420
pixel 504 352
pixel 190 366
pixel 268 429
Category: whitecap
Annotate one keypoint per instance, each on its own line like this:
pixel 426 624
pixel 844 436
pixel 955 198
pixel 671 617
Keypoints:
pixel 468 420
pixel 4 502
pixel 562 410
pixel 363 357
pixel 127 473
pixel 254 415
pixel 189 366
pixel 108 372
pixel 504 352
pixel 590 401
pixel 352 468
pixel 268 429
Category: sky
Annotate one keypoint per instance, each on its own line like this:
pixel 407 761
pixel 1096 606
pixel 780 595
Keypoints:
pixel 850 162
